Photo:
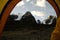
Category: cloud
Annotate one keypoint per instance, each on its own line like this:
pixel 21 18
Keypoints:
pixel 20 3
pixel 27 0
pixel 41 3
pixel 36 13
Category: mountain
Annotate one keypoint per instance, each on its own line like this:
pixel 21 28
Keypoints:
pixel 28 19
pixel 10 23
pixel 12 17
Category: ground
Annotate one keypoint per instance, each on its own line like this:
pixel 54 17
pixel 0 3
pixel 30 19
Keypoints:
pixel 28 34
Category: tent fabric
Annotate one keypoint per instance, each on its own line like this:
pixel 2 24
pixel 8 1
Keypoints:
pixel 58 3
pixel 2 4
pixel 56 32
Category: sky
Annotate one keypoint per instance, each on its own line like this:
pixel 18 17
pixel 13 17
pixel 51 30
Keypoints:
pixel 40 9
